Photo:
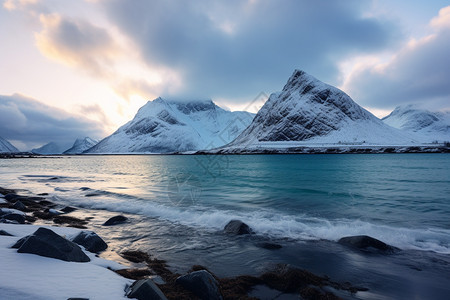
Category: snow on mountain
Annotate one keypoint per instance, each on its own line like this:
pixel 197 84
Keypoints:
pixel 426 125
pixel 309 112
pixel 80 145
pixel 49 149
pixel 164 126
pixel 7 147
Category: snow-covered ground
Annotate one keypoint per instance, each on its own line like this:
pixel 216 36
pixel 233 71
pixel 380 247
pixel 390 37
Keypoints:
pixel 28 276
pixel 427 126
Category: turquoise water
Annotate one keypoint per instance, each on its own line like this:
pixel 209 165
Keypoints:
pixel 403 199
pixel 178 205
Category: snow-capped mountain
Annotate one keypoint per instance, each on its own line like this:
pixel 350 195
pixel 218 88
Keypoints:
pixel 310 112
pixel 426 125
pixel 48 149
pixel 7 147
pixel 164 126
pixel 80 145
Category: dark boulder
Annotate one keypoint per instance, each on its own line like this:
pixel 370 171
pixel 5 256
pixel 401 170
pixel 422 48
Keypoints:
pixel 11 197
pixel 115 220
pixel 14 217
pixel 19 205
pixel 4 191
pixel 90 241
pixel 202 284
pixel 237 227
pixel 68 209
pixel 45 242
pixel 4 233
pixel 6 211
pixel 145 289
pixel 365 242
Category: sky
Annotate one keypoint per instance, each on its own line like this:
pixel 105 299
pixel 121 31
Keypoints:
pixel 79 68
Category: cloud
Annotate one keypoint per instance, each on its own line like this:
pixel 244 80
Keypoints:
pixel 99 52
pixel 76 43
pixel 19 4
pixel 239 48
pixel 418 73
pixel 32 123
pixel 96 111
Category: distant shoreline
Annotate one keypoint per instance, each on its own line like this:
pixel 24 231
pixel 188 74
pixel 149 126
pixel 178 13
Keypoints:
pixel 360 149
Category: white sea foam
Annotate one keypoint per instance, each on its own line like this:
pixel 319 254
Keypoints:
pixel 277 224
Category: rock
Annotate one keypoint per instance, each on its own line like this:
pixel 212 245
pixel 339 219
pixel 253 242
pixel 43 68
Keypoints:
pixel 5 211
pixel 145 289
pixel 14 217
pixel 269 246
pixel 11 197
pixel 4 221
pixel 70 221
pixel 45 203
pixel 53 212
pixel 201 283
pixel 237 227
pixel 4 191
pixel 365 242
pixel 115 220
pixel 90 241
pixel 45 242
pixel 68 209
pixel 19 205
pixel 4 233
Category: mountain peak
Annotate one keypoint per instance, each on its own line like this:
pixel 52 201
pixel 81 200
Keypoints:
pixel 168 125
pixel 303 82
pixel 50 148
pixel 309 110
pixel 80 145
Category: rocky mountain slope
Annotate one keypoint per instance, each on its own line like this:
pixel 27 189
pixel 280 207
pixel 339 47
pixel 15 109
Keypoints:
pixel 164 126
pixel 80 145
pixel 309 112
pixel 7 147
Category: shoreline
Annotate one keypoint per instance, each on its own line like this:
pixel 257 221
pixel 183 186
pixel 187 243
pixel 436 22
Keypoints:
pixel 331 149
pixel 281 280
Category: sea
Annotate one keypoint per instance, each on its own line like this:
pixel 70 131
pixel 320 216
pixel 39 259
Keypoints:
pixel 178 206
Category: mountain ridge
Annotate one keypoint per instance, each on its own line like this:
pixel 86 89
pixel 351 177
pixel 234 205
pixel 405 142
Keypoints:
pixel 426 125
pixel 80 145
pixel 166 126
pixel 308 111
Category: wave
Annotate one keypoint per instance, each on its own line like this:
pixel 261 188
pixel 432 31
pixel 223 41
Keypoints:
pixel 275 224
